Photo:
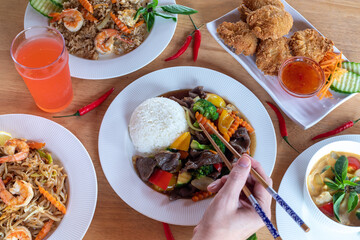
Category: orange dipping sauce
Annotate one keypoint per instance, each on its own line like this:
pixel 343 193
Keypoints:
pixel 301 77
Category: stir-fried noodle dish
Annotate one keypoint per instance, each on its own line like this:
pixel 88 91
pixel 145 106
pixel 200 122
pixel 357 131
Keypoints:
pixel 33 190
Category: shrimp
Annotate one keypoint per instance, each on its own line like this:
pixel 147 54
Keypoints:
pixel 15 145
pixel 19 233
pixel 104 41
pixel 87 5
pixel 22 189
pixel 72 18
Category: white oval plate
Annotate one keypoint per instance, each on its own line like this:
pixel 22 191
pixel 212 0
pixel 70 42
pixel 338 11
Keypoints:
pixel 116 149
pixel 66 148
pixel 292 191
pixel 105 68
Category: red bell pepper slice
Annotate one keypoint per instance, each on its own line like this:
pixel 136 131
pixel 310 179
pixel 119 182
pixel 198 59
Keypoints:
pixel 218 166
pixel 328 209
pixel 160 178
pixel 354 163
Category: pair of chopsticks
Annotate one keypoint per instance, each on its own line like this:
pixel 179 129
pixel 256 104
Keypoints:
pixel 247 192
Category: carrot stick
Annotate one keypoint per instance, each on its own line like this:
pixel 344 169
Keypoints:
pixel 120 24
pixel 45 230
pixel 53 200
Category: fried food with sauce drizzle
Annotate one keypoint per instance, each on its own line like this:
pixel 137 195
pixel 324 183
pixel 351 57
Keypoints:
pixel 271 54
pixel 309 43
pixel 270 22
pixel 239 36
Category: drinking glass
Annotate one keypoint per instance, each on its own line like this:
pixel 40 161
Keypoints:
pixel 41 58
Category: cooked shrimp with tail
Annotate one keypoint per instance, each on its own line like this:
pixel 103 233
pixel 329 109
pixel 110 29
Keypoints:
pixel 16 150
pixel 104 41
pixel 23 191
pixel 19 233
pixel 72 18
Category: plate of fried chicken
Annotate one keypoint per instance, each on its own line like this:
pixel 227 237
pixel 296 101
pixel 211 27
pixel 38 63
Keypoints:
pixel 261 35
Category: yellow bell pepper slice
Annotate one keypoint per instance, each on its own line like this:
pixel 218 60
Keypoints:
pixel 215 99
pixel 182 142
pixel 225 121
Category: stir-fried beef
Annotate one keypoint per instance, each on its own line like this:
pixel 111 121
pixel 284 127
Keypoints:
pixel 205 158
pixel 185 102
pixel 168 161
pixel 198 91
pixel 201 138
pixel 240 141
pixel 186 191
pixel 145 167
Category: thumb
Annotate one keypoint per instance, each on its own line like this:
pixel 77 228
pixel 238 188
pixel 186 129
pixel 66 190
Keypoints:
pixel 237 178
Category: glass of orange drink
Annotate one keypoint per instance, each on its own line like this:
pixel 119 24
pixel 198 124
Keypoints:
pixel 42 60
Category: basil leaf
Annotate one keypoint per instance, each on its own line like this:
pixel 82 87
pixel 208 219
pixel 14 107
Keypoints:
pixel 178 9
pixel 358 213
pixel 337 198
pixel 165 16
pixel 140 11
pixel 349 183
pixel 150 21
pixel 352 201
pixel 353 179
pixel 341 168
pixel 357 188
pixel 153 4
pixel 331 184
pixel 253 237
pixel 325 168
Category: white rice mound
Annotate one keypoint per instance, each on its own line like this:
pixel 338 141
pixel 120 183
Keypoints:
pixel 156 123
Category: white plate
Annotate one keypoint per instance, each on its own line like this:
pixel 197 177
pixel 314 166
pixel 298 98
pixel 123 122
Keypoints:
pixel 116 149
pixel 116 66
pixel 292 190
pixel 77 163
pixel 305 112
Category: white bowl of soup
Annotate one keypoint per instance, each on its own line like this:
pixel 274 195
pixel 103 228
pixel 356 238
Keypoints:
pixel 332 186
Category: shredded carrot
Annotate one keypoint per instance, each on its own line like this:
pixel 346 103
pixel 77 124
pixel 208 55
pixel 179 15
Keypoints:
pixel 55 16
pixel 212 151
pixel 88 16
pixel 203 120
pixel 138 24
pixel 7 180
pixel 52 199
pixel 100 5
pixel 201 195
pixel 120 24
pixel 45 230
pixel 331 65
pixel 35 145
pixel 234 126
pixel 113 1
pixel 87 5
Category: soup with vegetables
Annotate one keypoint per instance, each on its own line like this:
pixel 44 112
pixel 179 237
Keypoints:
pixel 334 186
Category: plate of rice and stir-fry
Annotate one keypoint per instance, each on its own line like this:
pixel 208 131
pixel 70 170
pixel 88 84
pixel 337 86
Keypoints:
pixel 105 38
pixel 164 161
pixel 38 195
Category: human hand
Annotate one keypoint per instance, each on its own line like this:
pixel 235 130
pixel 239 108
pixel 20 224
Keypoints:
pixel 230 215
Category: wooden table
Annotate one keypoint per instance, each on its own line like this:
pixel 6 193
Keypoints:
pixel 339 20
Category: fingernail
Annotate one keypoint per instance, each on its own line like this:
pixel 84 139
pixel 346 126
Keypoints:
pixel 213 184
pixel 244 162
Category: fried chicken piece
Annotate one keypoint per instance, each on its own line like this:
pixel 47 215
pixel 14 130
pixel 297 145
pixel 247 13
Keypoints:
pixel 271 54
pixel 239 36
pixel 270 22
pixel 256 4
pixel 244 12
pixel 309 43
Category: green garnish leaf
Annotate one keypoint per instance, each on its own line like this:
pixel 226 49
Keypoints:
pixel 337 199
pixel 325 168
pixel 331 184
pixel 358 213
pixel 352 201
pixel 357 188
pixel 349 183
pixel 353 179
pixel 165 16
pixel 341 166
pixel 150 20
pixel 178 9
pixel 153 4
pixel 139 12
pixel 253 237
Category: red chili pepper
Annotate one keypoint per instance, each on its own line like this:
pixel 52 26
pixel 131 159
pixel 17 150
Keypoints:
pixel 167 231
pixel 90 106
pixel 182 49
pixel 353 163
pixel 218 166
pixel 328 209
pixel 160 178
pixel 336 130
pixel 283 130
pixel 197 40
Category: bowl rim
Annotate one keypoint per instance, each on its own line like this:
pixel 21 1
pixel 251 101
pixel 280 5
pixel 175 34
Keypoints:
pixel 315 157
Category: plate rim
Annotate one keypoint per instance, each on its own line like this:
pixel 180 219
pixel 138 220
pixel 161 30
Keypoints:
pixel 92 168
pixel 143 78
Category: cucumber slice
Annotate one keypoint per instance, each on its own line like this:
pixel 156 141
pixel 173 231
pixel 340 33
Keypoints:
pixel 349 83
pixel 351 67
pixel 45 7
pixel 58 3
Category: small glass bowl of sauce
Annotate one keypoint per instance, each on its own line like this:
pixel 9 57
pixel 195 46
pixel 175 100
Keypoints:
pixel 301 77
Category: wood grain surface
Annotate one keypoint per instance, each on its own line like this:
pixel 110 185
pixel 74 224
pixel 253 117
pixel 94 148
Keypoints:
pixel 339 20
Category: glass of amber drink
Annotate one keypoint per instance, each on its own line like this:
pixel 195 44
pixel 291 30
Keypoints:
pixel 42 60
